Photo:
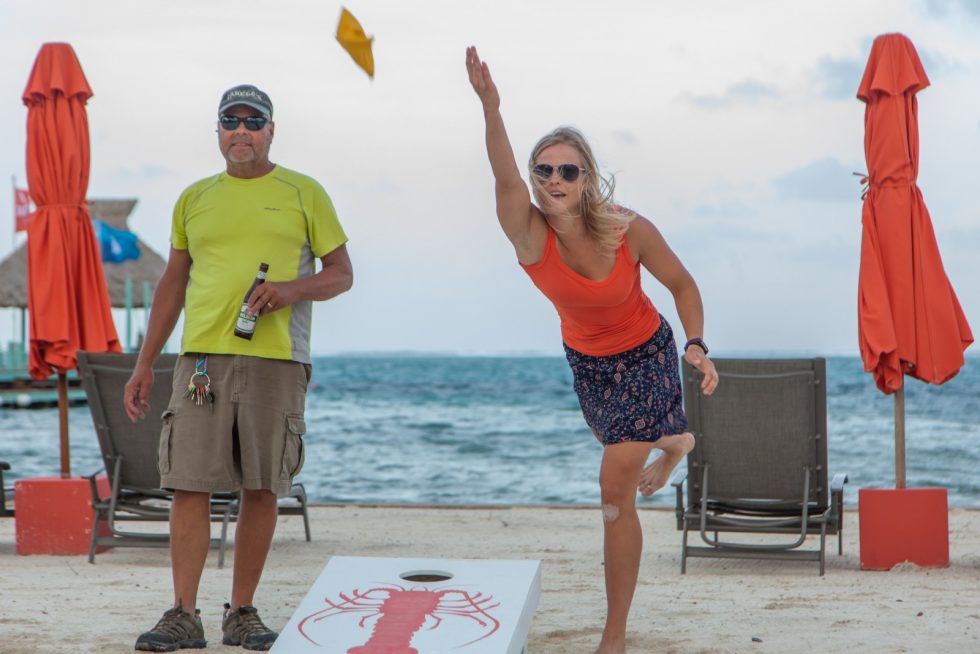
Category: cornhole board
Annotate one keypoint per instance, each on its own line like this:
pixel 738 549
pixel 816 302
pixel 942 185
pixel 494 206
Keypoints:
pixel 54 515
pixel 903 525
pixel 369 605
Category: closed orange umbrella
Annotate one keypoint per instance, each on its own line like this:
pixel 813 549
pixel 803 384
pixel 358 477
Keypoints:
pixel 909 320
pixel 68 302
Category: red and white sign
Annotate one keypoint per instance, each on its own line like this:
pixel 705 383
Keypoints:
pixel 22 209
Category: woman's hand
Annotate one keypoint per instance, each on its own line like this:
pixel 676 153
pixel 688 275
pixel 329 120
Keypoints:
pixel 481 80
pixel 695 356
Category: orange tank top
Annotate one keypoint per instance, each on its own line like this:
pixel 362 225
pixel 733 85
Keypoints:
pixel 597 318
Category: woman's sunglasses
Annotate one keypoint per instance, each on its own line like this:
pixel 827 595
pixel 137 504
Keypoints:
pixel 252 123
pixel 568 172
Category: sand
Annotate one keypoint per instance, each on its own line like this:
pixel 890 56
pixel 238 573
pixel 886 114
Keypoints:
pixel 64 604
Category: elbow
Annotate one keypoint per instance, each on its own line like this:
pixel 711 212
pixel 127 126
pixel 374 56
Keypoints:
pixel 347 280
pixel 685 287
pixel 508 184
pixel 341 282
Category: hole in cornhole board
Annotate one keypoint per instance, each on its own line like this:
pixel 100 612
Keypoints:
pixel 426 575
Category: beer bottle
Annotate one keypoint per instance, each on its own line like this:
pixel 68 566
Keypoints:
pixel 245 326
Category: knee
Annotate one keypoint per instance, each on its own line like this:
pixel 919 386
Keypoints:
pixel 258 493
pixel 610 512
pixel 618 510
pixel 191 498
pixel 259 497
pixel 616 500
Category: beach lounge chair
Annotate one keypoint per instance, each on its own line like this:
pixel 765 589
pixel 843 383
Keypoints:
pixel 5 493
pixel 129 451
pixel 759 464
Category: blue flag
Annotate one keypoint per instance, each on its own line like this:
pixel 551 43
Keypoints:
pixel 117 245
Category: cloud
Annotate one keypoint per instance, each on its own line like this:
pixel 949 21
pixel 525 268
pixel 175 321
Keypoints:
pixel 626 136
pixel 965 239
pixel 839 78
pixel 146 171
pixel 832 255
pixel 823 180
pixel 723 210
pixel 952 8
pixel 938 65
pixel 747 92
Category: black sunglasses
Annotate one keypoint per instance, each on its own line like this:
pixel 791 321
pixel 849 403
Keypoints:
pixel 252 123
pixel 568 172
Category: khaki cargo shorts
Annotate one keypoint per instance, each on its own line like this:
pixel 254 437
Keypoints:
pixel 251 437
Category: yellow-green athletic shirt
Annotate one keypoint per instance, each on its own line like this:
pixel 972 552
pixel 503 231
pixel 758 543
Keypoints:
pixel 229 226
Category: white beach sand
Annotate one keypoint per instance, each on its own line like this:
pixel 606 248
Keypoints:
pixel 63 604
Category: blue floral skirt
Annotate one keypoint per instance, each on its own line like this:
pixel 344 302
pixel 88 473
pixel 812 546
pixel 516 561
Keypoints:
pixel 634 395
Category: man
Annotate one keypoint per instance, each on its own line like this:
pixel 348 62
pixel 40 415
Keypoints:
pixel 240 426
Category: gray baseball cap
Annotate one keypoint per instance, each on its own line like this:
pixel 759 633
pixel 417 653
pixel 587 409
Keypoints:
pixel 247 95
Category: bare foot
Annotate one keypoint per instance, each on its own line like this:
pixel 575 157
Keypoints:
pixel 655 476
pixel 619 648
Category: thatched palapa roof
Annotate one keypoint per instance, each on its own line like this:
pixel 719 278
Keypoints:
pixel 148 268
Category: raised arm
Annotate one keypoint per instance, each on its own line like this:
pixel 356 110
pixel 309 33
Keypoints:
pixel 514 209
pixel 655 255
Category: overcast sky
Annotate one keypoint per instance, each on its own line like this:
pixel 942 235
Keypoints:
pixel 733 126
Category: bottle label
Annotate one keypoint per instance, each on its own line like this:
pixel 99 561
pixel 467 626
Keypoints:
pixel 246 323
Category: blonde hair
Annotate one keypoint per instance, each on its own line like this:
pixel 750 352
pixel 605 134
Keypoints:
pixel 605 222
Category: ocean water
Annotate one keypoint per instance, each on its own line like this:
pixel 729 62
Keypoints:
pixel 507 430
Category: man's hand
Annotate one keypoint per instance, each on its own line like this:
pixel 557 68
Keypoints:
pixel 137 393
pixel 270 296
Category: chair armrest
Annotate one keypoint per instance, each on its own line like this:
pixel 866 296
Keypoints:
pixel 837 506
pixel 4 511
pixel 298 491
pixel 677 481
pixel 97 501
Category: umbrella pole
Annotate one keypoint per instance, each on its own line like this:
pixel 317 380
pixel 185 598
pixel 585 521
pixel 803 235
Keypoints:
pixel 63 423
pixel 900 436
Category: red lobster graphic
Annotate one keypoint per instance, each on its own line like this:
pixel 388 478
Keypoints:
pixel 402 613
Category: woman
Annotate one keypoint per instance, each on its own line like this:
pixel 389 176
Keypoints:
pixel 584 253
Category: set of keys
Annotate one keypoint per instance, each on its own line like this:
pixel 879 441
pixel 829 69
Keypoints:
pixel 199 389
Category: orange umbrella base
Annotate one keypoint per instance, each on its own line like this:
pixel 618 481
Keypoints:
pixel 54 515
pixel 907 525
